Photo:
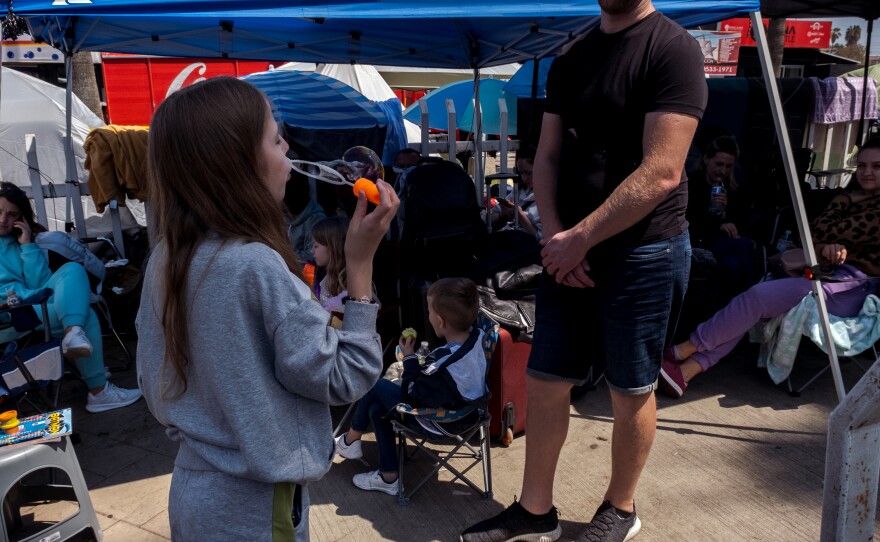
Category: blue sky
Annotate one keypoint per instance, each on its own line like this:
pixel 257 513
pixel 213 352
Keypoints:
pixel 845 22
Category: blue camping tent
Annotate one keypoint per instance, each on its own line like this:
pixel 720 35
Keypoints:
pixel 312 100
pixel 323 116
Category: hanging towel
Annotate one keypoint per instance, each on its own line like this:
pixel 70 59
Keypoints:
pixel 838 99
pixel 116 157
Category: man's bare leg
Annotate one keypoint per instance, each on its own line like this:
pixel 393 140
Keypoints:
pixel 546 429
pixel 635 423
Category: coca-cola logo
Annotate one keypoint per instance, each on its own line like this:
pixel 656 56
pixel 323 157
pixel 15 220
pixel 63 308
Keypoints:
pixel 180 80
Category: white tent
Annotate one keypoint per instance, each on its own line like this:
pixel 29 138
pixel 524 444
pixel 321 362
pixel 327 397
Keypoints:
pixel 32 106
pixel 426 78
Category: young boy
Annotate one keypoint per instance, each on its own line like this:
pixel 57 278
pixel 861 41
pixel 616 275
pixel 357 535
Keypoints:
pixel 451 376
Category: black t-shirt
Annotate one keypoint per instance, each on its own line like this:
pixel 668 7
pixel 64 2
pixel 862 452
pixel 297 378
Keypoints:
pixel 603 88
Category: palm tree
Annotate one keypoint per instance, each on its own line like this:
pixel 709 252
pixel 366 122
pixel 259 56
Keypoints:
pixel 776 44
pixel 85 84
pixel 835 35
pixel 853 35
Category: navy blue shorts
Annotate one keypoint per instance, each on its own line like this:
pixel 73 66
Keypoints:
pixel 623 323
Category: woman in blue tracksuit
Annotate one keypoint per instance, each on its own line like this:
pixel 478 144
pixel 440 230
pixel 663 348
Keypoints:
pixel 24 270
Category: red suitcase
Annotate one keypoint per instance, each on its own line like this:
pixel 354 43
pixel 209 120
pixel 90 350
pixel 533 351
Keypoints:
pixel 507 382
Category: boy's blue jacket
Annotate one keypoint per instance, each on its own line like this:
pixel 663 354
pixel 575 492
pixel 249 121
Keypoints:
pixel 450 378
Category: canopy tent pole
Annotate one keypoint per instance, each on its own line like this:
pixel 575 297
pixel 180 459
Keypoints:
pixel 795 190
pixel 862 111
pixel 533 100
pixel 477 134
pixel 71 182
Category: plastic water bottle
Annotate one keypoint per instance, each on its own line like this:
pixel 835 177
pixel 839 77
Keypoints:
pixel 715 206
pixel 423 351
pixel 785 243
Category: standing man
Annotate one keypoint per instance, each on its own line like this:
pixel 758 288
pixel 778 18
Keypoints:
pixel 622 106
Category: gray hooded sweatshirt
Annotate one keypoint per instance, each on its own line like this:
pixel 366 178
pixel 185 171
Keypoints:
pixel 264 365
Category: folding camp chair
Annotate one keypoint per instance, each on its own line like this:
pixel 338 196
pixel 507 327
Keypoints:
pixel 27 366
pixel 456 443
pixel 62 248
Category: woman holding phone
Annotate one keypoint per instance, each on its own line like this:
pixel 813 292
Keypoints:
pixel 24 270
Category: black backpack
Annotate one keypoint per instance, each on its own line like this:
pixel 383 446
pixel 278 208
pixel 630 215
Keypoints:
pixel 443 232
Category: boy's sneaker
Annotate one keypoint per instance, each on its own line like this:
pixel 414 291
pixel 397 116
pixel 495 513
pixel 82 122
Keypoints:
pixel 515 523
pixel 111 397
pixel 610 525
pixel 372 481
pixel 671 379
pixel 75 344
pixel 348 451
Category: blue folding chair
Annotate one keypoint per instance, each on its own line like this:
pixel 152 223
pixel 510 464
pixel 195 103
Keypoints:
pixel 457 442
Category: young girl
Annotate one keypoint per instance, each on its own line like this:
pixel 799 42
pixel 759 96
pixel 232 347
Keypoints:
pixel 235 357
pixel 25 270
pixel 328 244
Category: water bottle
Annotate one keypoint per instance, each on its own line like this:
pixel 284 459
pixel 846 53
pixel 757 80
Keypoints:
pixel 715 206
pixel 423 351
pixel 785 243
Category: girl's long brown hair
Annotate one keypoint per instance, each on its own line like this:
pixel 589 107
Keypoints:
pixel 330 232
pixel 203 170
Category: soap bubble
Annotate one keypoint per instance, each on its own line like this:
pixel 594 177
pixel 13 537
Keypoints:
pixel 363 162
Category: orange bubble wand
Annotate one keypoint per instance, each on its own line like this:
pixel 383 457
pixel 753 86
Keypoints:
pixel 369 188
pixel 324 172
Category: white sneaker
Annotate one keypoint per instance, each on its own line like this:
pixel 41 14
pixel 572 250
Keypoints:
pixel 111 397
pixel 348 451
pixel 75 344
pixel 372 481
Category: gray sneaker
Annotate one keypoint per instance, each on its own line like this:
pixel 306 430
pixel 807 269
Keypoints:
pixel 610 525
pixel 515 523
pixel 372 481
pixel 348 451
pixel 75 344
pixel 111 397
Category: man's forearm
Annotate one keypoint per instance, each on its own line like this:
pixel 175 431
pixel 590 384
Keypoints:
pixel 633 200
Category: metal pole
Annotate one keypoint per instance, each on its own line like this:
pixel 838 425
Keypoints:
pixel 74 196
pixel 477 135
pixel 795 189
pixel 865 80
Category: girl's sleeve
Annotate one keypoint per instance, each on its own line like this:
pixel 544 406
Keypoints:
pixel 34 266
pixel 312 359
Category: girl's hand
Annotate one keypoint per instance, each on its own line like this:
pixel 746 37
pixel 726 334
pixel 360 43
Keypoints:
pixel 834 253
pixel 25 236
pixel 366 230
pixel 407 346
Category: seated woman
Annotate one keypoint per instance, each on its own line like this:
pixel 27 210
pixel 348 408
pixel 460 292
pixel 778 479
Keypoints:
pixel 845 235
pixel 25 270
pixel 715 220
pixel 529 219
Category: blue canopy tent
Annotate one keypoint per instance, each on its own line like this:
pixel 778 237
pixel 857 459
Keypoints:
pixel 524 84
pixel 428 33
